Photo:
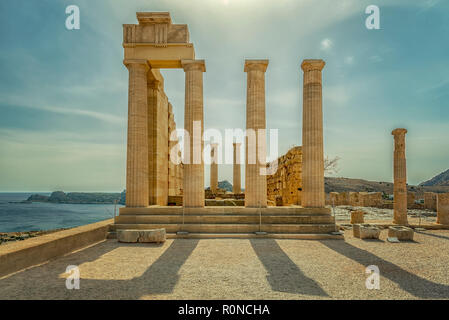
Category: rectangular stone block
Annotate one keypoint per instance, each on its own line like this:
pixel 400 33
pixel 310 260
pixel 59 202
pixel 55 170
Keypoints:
pixel 430 201
pixel 443 208
pixel 401 233
pixel 133 236
pixel 366 231
pixel 411 197
pixel 357 217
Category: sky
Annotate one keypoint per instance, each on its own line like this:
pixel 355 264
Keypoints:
pixel 63 94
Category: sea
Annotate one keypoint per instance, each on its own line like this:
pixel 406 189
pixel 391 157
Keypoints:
pixel 16 216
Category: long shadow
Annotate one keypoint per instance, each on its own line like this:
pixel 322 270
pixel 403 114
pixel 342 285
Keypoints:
pixel 415 285
pixel 160 278
pixel 283 274
pixel 433 235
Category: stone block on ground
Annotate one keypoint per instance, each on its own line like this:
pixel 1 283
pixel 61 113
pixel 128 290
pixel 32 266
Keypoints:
pixel 357 217
pixel 366 231
pixel 134 236
pixel 400 232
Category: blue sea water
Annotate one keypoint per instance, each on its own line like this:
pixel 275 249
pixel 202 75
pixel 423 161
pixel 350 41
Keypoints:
pixel 46 216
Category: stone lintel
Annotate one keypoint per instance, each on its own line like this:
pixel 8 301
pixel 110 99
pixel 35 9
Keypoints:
pixel 312 65
pixel 399 131
pixel 142 62
pixel 189 65
pixel 153 17
pixel 260 65
pixel 169 57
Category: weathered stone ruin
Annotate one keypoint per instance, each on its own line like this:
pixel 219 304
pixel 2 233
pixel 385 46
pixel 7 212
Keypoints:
pixel 284 186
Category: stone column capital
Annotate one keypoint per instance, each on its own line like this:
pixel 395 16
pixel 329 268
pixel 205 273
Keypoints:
pixel 236 144
pixel 190 65
pixel 258 65
pixel 137 62
pixel 399 131
pixel 312 65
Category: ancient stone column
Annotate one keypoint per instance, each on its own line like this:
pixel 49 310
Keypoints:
pixel 214 168
pixel 255 179
pixel 194 125
pixel 400 178
pixel 236 177
pixel 137 194
pixel 312 136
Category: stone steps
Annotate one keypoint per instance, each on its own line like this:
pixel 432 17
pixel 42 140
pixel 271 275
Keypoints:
pixel 210 210
pixel 232 228
pixel 224 219
pixel 291 222
pixel 296 236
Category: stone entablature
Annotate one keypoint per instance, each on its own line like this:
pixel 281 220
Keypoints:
pixel 159 41
pixel 285 182
pixel 154 28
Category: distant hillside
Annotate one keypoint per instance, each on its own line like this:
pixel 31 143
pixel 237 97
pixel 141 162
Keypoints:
pixel 79 197
pixel 225 185
pixel 360 185
pixel 440 180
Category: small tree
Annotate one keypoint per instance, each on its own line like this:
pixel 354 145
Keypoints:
pixel 331 165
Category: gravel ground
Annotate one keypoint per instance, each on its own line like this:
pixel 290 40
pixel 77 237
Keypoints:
pixel 244 269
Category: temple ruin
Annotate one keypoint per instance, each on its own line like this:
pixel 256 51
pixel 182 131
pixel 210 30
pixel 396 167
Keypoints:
pixel 155 196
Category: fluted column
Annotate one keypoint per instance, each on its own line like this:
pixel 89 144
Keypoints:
pixel 312 136
pixel 194 125
pixel 400 178
pixel 236 178
pixel 137 148
pixel 214 168
pixel 255 182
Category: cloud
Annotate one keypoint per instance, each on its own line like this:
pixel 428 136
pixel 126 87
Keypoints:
pixel 326 44
pixel 25 103
pixel 349 60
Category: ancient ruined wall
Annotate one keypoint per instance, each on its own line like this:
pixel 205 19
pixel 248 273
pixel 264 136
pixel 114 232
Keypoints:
pixel 443 208
pixel 430 201
pixel 284 184
pixel 411 197
pixel 356 199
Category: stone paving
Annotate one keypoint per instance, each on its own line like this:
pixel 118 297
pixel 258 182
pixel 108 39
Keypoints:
pixel 244 269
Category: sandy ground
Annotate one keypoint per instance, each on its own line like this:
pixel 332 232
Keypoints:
pixel 244 269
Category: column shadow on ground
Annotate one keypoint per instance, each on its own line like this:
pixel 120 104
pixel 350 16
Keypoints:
pixel 413 284
pixel 433 235
pixel 43 281
pixel 283 274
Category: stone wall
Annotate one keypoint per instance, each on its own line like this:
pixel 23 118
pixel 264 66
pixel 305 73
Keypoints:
pixel 430 201
pixel 282 187
pixel 356 199
pixel 411 197
pixel 23 254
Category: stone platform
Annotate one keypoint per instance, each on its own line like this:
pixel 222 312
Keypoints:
pixel 291 222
